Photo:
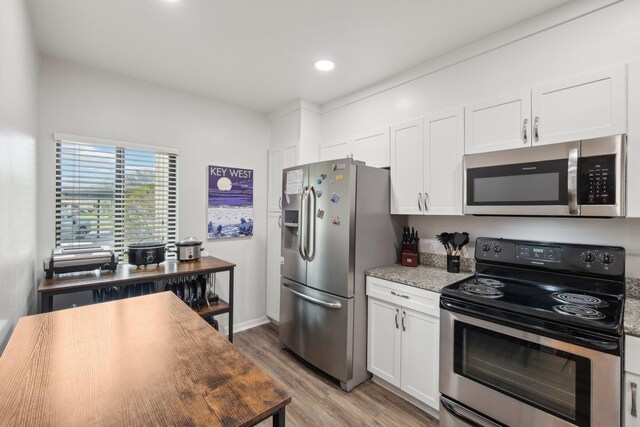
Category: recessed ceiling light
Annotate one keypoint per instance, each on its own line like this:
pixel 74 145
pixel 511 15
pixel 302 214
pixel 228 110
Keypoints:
pixel 171 1
pixel 325 65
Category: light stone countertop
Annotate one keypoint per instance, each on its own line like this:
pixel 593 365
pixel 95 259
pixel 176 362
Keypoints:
pixel 632 316
pixel 423 276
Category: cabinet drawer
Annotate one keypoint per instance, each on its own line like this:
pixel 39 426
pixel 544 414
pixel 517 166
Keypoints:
pixel 632 354
pixel 417 299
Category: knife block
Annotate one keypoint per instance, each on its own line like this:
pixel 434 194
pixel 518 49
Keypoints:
pixel 409 259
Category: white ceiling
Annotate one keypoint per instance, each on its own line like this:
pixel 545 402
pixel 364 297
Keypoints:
pixel 260 53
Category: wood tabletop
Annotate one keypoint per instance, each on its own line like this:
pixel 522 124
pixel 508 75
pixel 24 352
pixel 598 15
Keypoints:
pixel 148 360
pixel 127 273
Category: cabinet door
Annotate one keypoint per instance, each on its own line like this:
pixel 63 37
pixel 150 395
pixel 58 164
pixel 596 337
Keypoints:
pixel 629 381
pixel 420 356
pixel 290 158
pixel 372 148
pixel 443 151
pixel 498 124
pixel 584 107
pixel 633 142
pixel 276 161
pixel 338 150
pixel 274 224
pixel 407 176
pixel 383 340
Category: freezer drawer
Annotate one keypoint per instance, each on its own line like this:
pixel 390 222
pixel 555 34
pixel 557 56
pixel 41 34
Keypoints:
pixel 318 327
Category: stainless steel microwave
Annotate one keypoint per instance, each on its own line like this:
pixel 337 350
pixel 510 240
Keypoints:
pixel 578 178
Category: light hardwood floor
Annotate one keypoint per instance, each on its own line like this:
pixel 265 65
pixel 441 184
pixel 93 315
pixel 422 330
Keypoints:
pixel 316 400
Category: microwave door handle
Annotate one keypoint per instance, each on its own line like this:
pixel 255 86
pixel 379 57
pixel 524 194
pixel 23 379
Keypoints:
pixel 572 182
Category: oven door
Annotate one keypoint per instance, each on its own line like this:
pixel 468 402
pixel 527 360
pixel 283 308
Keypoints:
pixel 526 181
pixel 523 379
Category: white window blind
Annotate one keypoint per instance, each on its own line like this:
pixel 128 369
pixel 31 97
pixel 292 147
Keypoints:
pixel 112 195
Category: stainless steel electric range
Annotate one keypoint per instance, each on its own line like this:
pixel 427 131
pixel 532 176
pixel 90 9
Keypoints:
pixel 535 338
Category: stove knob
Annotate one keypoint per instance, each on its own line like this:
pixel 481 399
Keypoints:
pixel 485 247
pixel 497 248
pixel 588 256
pixel 606 258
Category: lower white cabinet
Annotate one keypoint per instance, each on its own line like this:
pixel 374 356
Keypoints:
pixel 403 338
pixel 274 224
pixel 631 382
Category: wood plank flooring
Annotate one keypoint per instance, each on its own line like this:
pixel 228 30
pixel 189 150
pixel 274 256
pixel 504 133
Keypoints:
pixel 316 399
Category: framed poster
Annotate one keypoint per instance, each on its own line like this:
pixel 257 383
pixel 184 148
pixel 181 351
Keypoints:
pixel 230 202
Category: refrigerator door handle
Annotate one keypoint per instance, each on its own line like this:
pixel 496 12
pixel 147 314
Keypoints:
pixel 326 304
pixel 301 226
pixel 311 218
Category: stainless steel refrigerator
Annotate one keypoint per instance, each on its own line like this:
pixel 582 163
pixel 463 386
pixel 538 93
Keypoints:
pixel 336 225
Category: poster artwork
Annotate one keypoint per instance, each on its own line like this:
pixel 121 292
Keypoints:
pixel 230 202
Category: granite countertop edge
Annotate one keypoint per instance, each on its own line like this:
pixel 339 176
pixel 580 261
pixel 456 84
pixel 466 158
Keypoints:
pixel 435 278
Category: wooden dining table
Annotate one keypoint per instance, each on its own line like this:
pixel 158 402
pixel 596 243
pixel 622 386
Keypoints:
pixel 148 360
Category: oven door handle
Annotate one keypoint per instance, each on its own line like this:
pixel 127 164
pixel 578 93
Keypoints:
pixel 465 415
pixel 572 182
pixel 594 343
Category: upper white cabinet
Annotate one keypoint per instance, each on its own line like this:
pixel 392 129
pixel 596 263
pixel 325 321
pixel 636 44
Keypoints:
pixel 407 167
pixel 500 123
pixel 426 165
pixel 633 142
pixel 443 151
pixel 279 159
pixel 371 147
pixel 583 107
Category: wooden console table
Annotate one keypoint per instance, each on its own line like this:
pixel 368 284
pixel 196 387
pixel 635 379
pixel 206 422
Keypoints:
pixel 148 360
pixel 127 274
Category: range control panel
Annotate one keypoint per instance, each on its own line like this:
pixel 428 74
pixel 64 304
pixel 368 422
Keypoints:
pixel 579 259
pixel 598 180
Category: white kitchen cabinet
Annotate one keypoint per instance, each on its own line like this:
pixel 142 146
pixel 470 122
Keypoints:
pixel 383 338
pixel 403 338
pixel 500 123
pixel 588 106
pixel 335 150
pixel 274 224
pixel 631 381
pixel 279 159
pixel 407 167
pixel 583 107
pixel 443 153
pixel 372 147
pixel 633 141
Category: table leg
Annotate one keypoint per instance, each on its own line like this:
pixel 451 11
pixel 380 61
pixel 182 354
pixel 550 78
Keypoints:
pixel 231 304
pixel 46 303
pixel 279 418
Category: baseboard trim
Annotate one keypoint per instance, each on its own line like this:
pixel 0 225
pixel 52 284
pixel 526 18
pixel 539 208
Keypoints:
pixel 243 326
pixel 415 402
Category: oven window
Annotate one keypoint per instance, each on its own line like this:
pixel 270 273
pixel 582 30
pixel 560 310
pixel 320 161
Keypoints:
pixel 539 183
pixel 549 379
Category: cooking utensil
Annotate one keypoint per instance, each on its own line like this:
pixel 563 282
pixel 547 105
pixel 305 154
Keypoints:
pixel 459 241
pixel 445 239
pixel 146 252
pixel 189 249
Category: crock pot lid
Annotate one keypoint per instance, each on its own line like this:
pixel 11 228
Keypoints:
pixel 189 241
pixel 146 244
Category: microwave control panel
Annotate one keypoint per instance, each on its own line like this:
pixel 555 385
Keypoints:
pixel 597 180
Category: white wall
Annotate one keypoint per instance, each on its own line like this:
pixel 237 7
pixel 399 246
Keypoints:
pixel 84 101
pixel 608 37
pixel 18 133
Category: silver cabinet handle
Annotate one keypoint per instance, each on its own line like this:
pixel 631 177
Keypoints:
pixel 279 221
pixel 426 197
pixel 634 390
pixel 280 202
pixel 311 217
pixel 326 304
pixel 301 225
pixel 397 313
pixel 572 182
pixel 420 201
pixel 536 125
pixel 404 326
pixel 399 295
pixel 524 131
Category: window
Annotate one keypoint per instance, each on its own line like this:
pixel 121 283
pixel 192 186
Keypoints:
pixel 110 194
